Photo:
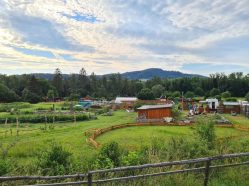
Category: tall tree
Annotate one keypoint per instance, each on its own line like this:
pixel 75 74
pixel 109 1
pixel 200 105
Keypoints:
pixel 83 82
pixel 58 82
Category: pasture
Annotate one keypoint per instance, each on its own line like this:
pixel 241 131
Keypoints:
pixel 32 139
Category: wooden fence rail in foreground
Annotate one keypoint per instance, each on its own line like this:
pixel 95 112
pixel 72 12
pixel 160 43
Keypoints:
pixel 88 178
pixel 92 134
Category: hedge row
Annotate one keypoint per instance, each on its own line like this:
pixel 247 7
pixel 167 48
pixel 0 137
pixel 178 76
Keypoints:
pixel 41 118
pixel 6 107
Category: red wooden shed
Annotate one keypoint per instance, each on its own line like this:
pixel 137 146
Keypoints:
pixel 155 111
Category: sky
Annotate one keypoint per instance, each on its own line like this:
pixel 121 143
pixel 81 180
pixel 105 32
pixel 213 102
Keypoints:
pixel 106 36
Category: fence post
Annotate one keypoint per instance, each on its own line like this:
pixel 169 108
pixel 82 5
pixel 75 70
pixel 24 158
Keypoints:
pixel 74 118
pixel 17 126
pixel 207 170
pixel 89 179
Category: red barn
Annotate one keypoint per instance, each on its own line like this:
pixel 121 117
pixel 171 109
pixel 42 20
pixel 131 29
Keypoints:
pixel 157 112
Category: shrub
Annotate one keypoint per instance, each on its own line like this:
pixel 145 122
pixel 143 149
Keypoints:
pixel 132 158
pixel 231 99
pixel 247 97
pixel 6 107
pixel 189 94
pixel 180 148
pixel 146 94
pixel 226 94
pixel 176 113
pixel 199 91
pixel 176 94
pixel 55 161
pixel 205 132
pixel 41 118
pixel 3 167
pixel 214 92
pixel 109 156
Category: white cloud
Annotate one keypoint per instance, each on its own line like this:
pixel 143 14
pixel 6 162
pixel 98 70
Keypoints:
pixel 119 35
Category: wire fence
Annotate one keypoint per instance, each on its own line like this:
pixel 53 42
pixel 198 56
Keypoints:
pixel 125 174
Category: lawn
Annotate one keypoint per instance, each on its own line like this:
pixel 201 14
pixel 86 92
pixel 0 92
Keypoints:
pixel 239 120
pixel 71 136
pixel 133 137
pixel 32 139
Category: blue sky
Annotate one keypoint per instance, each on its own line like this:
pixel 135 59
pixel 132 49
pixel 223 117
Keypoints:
pixel 105 36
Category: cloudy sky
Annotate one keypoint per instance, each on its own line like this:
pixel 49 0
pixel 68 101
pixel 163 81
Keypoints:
pixel 201 36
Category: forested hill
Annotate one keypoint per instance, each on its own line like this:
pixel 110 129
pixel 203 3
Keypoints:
pixel 152 72
pixel 141 75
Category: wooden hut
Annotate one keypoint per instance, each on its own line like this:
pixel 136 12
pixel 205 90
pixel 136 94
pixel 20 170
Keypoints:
pixel 230 107
pixel 155 112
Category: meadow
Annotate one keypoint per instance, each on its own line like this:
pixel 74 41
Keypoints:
pixel 23 150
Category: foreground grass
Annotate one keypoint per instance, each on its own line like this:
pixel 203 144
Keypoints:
pixel 32 139
pixel 239 120
pixel 29 143
pixel 134 137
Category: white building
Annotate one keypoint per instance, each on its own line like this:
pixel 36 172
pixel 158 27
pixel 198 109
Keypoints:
pixel 120 100
pixel 212 103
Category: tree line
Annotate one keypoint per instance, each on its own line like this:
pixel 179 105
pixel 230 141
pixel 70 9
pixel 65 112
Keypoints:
pixel 31 89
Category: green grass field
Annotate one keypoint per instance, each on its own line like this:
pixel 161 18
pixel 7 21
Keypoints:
pixel 71 136
pixel 32 139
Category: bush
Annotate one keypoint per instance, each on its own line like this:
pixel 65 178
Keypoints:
pixel 231 99
pixel 218 97
pixel 6 107
pixel 214 92
pixel 146 94
pixel 176 94
pixel 55 161
pixel 41 118
pixel 189 94
pixel 180 148
pixel 226 94
pixel 205 132
pixel 132 158
pixel 199 91
pixel 3 167
pixel 247 97
pixel 109 156
pixel 176 112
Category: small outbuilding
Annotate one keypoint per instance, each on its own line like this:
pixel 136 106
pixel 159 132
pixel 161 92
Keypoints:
pixel 155 112
pixel 125 102
pixel 212 104
pixel 231 107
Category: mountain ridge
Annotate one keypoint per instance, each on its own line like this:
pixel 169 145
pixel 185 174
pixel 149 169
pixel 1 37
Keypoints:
pixel 145 74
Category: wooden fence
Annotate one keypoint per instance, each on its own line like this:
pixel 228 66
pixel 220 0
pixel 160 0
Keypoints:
pixel 88 178
pixel 92 134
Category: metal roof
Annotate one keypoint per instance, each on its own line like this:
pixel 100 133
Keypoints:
pixel 121 99
pixel 146 107
pixel 231 103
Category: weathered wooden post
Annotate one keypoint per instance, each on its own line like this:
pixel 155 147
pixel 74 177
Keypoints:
pixel 17 126
pixel 5 125
pixel 89 179
pixel 207 170
pixel 46 121
pixel 74 118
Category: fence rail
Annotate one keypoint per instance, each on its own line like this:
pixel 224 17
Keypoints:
pixel 88 178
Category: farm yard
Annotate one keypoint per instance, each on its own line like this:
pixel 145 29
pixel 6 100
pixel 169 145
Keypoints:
pixel 23 149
